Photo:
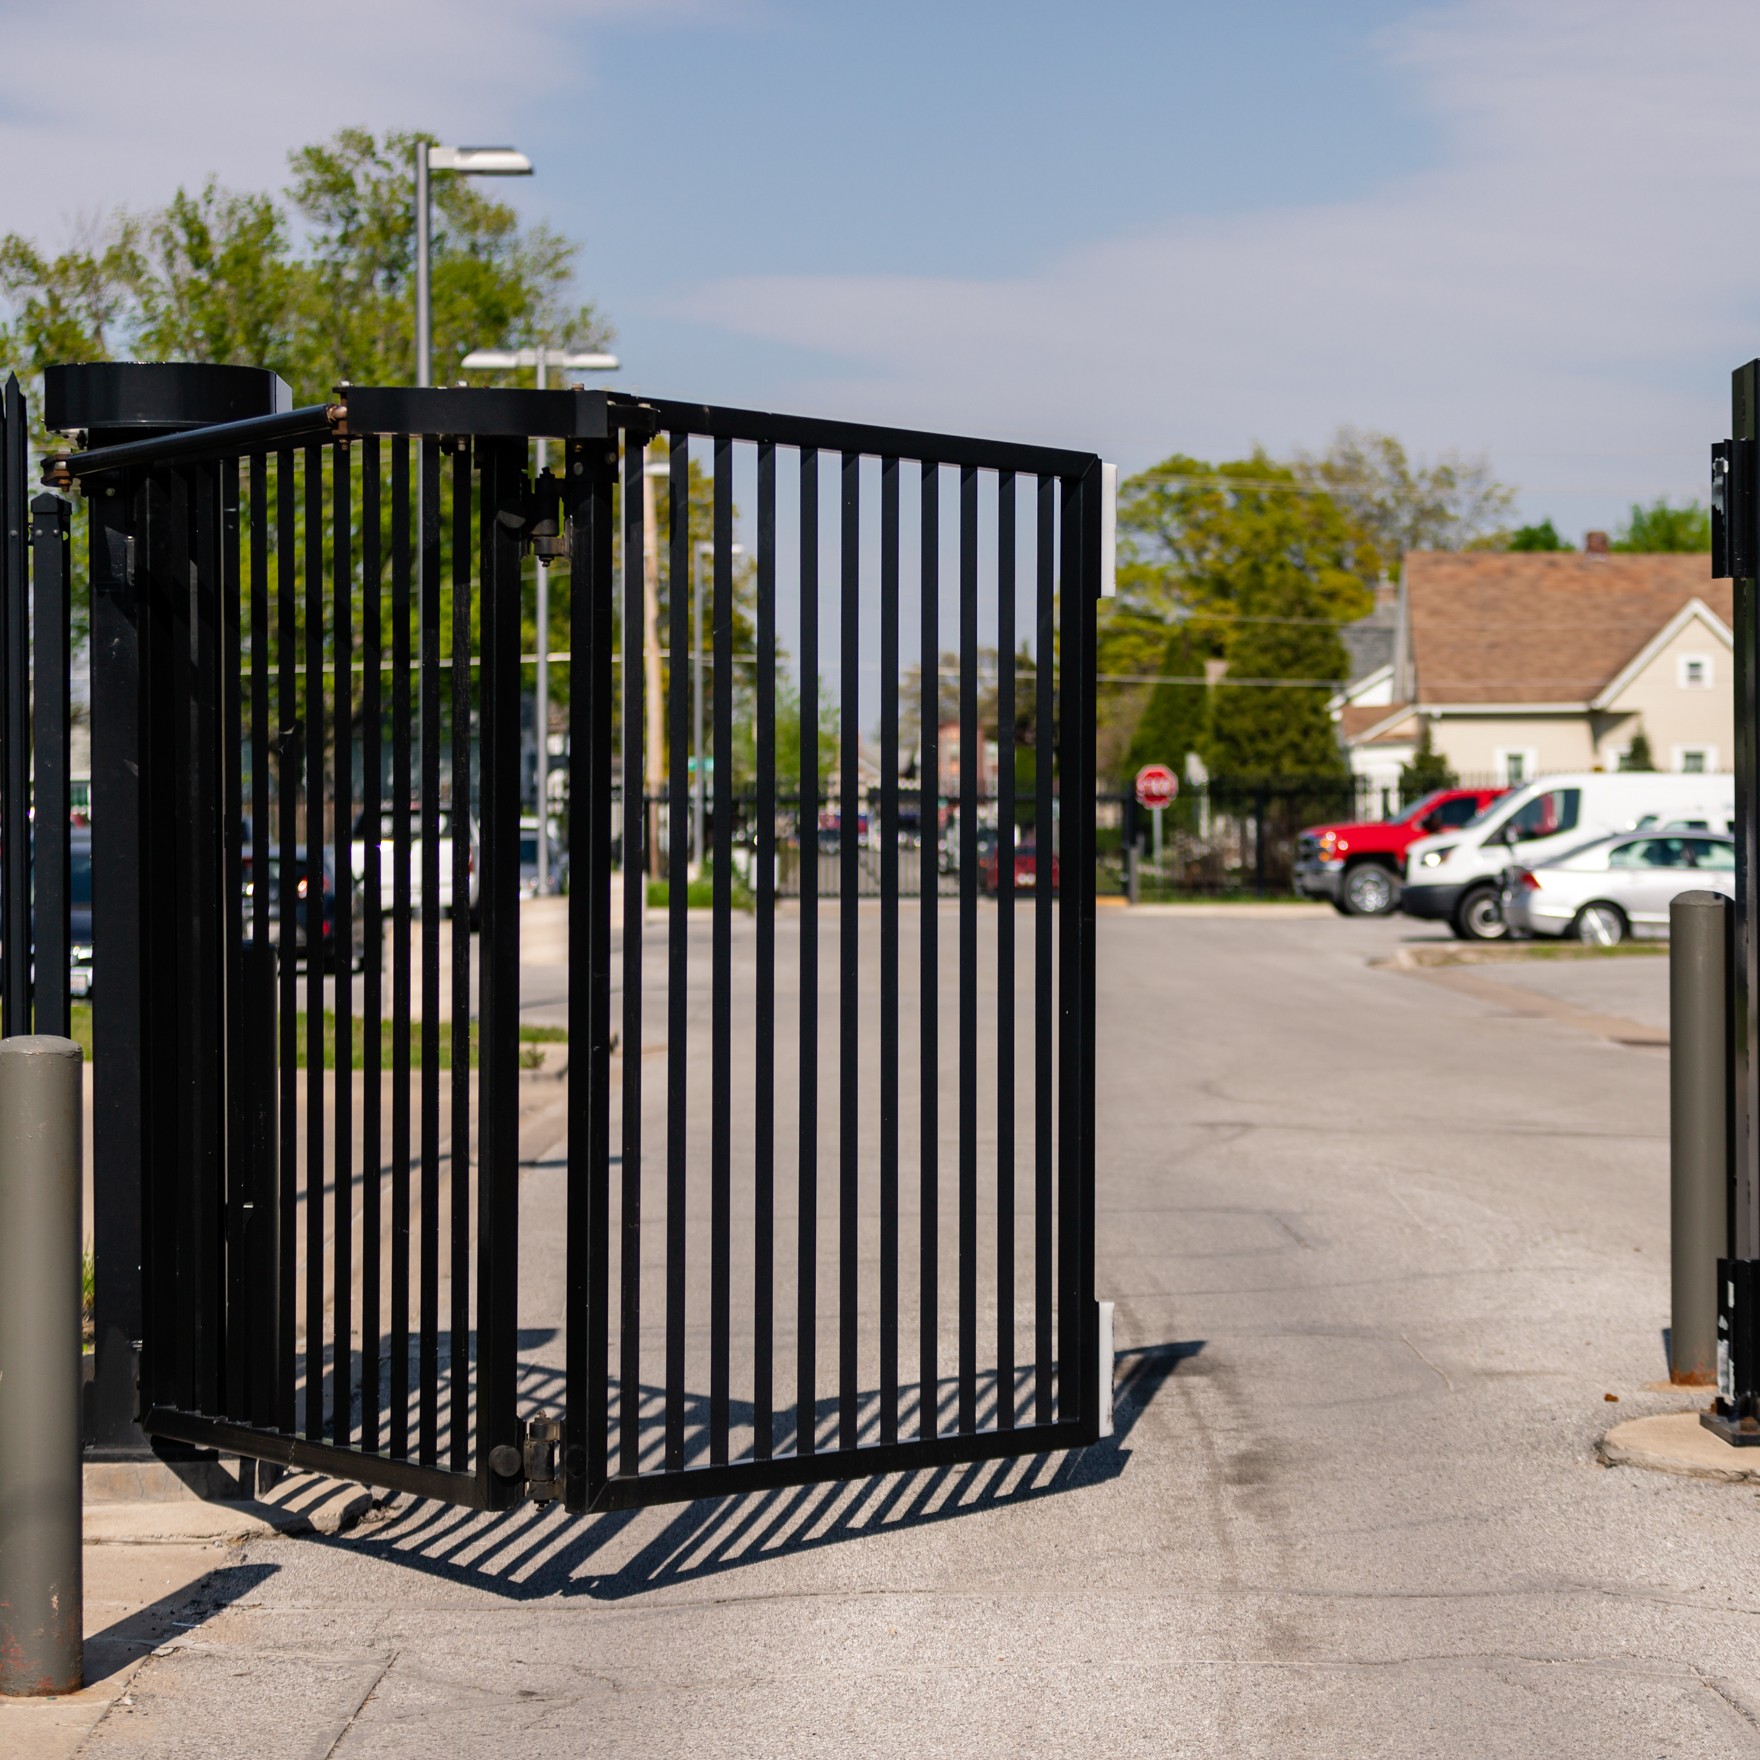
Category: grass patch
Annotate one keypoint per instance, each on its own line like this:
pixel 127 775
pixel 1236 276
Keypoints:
pixel 530 1039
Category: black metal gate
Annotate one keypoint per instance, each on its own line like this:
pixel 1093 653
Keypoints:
pixel 308 629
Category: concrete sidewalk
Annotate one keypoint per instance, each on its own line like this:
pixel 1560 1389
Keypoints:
pixel 1380 1249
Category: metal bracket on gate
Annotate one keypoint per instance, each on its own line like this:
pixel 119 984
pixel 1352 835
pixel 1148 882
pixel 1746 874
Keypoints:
pixel 543 1458
pixel 545 534
pixel 1735 500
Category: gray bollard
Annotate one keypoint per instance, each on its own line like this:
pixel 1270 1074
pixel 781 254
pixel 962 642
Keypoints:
pixel 1699 978
pixel 42 1610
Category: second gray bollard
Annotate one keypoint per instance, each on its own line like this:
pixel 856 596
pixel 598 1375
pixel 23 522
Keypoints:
pixel 42 1611
pixel 1699 978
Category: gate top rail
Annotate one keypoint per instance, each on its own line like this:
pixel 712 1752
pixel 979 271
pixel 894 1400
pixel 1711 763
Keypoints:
pixel 493 412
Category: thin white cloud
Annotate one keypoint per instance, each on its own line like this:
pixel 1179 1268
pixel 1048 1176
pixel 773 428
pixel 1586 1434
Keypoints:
pixel 117 104
pixel 1565 289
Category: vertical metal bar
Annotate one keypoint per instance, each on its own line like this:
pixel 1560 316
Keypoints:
pixel 889 951
pixel 401 905
pixel 116 512
pixel 929 968
pixel 721 969
pixel 237 1024
pixel 50 518
pixel 1074 1377
pixel 807 1242
pixel 15 775
pixel 498 1427
pixel 1005 882
pixel 313 919
pixel 1045 842
pixel 1745 1078
pixel 428 684
pixel 342 938
pixel 764 1127
pixel 1079 782
pixel 971 772
pixel 459 769
pixel 373 938
pixel 289 779
pixel 678 847
pixel 849 972
pixel 629 1417
pixel 591 473
pixel 260 1001
pixel 198 1164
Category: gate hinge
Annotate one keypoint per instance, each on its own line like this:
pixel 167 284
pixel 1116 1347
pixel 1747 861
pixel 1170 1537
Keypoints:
pixel 1735 543
pixel 546 533
pixel 543 1458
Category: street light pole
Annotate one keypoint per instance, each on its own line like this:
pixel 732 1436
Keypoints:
pixel 468 162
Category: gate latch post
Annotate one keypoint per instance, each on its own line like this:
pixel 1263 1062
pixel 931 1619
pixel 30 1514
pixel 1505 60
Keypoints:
pixel 1735 501
pixel 543 1458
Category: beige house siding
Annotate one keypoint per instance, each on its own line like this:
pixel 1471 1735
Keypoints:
pixel 1671 716
pixel 1477 744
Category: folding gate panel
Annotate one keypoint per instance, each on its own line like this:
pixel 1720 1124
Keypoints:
pixel 830 1180
pixel 831 1201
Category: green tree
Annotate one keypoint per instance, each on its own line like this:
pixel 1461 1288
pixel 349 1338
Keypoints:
pixel 1637 755
pixel 316 282
pixel 1404 504
pixel 1176 718
pixel 1662 527
pixel 1258 574
pixel 1427 770
pixel 1531 538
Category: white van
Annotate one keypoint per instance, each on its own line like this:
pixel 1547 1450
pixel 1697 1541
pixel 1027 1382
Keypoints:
pixel 1455 878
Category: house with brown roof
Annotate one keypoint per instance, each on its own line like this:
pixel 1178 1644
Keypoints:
pixel 1525 663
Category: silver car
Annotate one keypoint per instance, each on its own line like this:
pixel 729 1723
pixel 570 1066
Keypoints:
pixel 1617 886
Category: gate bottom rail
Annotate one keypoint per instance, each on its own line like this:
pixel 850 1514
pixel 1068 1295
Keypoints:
pixel 352 1465
pixel 870 1460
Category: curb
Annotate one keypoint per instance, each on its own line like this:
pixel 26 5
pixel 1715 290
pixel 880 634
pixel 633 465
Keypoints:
pixel 300 1503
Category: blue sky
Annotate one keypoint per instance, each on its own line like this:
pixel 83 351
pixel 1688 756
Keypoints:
pixel 1499 226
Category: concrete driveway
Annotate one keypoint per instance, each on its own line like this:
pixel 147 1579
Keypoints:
pixel 1379 1248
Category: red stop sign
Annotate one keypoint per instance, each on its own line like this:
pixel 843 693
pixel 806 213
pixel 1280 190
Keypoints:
pixel 1156 786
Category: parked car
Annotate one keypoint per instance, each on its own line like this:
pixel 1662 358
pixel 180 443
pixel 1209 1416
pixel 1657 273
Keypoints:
pixel 79 910
pixel 300 875
pixel 1357 867
pixel 1616 886
pixel 388 820
pixel 1026 869
pixel 1458 878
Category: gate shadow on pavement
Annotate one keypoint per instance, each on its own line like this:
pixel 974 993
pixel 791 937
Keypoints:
pixel 171 1617
pixel 531 1554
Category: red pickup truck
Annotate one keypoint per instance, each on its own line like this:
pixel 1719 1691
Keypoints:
pixel 1358 867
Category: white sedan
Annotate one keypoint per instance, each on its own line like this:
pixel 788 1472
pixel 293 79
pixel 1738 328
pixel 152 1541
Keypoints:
pixel 1617 886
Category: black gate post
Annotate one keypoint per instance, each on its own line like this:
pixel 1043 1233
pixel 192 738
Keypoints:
pixel 1735 498
pixel 108 404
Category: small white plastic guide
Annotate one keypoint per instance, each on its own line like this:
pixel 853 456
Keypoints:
pixel 1105 1364
pixel 1108 535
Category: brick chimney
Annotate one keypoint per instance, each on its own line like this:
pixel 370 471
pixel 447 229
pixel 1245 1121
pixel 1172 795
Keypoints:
pixel 1595 543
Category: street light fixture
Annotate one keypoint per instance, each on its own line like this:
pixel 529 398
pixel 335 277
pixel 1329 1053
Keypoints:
pixel 467 162
pixel 508 360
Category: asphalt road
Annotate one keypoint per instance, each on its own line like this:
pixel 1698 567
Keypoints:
pixel 1379 1250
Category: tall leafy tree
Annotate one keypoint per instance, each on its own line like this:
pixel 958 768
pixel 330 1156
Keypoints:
pixel 1258 569
pixel 1406 504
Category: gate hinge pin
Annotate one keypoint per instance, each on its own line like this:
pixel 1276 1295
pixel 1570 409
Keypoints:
pixel 543 1458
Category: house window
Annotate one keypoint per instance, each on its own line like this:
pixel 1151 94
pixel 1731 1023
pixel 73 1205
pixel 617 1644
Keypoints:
pixel 1517 764
pixel 1695 760
pixel 1695 672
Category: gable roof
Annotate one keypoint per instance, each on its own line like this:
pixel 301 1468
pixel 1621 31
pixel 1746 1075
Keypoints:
pixel 1501 627
pixel 1364 723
